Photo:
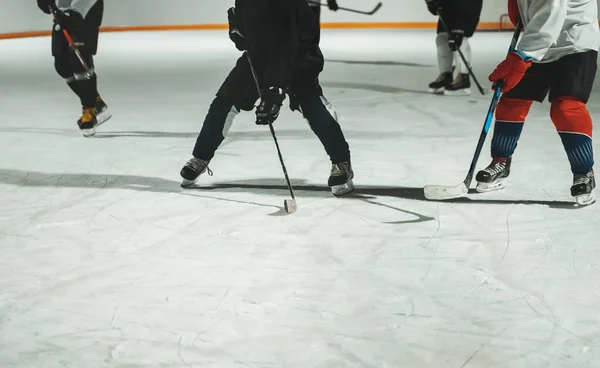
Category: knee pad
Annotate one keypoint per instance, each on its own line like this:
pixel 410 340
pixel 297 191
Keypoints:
pixel 570 115
pixel 512 110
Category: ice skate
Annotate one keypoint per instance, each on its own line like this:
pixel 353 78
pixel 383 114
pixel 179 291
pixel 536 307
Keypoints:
pixel 192 170
pixel 340 179
pixel 442 81
pixel 102 113
pixel 88 122
pixel 583 188
pixel 494 176
pixel 460 87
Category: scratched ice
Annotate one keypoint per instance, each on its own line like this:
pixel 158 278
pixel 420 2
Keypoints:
pixel 106 262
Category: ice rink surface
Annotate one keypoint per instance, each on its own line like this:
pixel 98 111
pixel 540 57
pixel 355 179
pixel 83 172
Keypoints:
pixel 106 262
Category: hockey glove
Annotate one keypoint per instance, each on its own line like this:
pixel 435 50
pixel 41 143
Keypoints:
pixel 333 5
pixel 456 39
pixel 270 105
pixel 44 5
pixel 511 70
pixel 433 6
pixel 235 33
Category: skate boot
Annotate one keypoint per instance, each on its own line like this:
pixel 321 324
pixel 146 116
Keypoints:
pixel 87 123
pixel 438 85
pixel 583 188
pixel 340 179
pixel 460 87
pixel 102 113
pixel 493 177
pixel 192 170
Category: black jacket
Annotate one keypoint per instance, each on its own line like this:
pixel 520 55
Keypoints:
pixel 282 39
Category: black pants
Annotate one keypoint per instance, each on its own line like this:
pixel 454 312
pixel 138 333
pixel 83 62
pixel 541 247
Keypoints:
pixel 239 93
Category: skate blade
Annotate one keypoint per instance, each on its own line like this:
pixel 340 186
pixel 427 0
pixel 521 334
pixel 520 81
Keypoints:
pixel 103 117
pixel 491 187
pixel 586 199
pixel 344 189
pixel 188 183
pixel 437 91
pixel 88 132
pixel 459 92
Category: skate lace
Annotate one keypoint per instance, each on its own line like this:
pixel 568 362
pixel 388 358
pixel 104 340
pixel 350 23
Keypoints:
pixel 339 169
pixel 496 168
pixel 580 179
pixel 200 166
pixel 441 78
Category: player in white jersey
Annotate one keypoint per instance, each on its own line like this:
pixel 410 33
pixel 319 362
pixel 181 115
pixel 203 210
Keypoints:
pixel 82 20
pixel 557 55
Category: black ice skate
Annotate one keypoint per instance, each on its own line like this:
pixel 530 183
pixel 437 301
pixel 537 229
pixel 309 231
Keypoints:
pixel 438 85
pixel 583 188
pixel 460 87
pixel 87 123
pixel 340 179
pixel 102 113
pixel 493 177
pixel 192 170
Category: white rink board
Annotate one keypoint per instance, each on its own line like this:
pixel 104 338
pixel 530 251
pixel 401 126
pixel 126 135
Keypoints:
pixel 106 262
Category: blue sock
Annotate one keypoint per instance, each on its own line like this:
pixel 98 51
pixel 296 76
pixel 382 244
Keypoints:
pixel 506 137
pixel 579 151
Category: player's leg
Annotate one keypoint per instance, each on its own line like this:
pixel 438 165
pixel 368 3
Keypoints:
pixel 461 86
pixel 93 21
pixel 69 67
pixel 237 93
pixel 571 86
pixel 445 60
pixel 511 112
pixel 323 121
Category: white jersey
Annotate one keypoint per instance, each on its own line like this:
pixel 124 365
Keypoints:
pixel 556 28
pixel 82 6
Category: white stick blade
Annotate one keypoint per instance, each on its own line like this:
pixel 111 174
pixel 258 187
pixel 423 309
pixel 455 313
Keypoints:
pixel 443 192
pixel 290 205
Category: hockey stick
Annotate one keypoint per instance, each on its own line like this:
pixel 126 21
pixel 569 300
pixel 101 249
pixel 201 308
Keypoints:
pixel 289 205
pixel 375 10
pixel 87 74
pixel 443 192
pixel 464 59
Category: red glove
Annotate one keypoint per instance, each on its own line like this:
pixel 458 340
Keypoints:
pixel 513 12
pixel 511 70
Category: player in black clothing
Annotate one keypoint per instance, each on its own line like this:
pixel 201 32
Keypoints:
pixel 82 20
pixel 282 39
pixel 460 20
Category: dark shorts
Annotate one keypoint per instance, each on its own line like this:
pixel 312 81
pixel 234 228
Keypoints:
pixel 570 76
pixel 88 33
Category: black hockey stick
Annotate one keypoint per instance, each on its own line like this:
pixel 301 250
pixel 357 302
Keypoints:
pixel 464 59
pixel 375 10
pixel 289 205
pixel 442 192
pixel 88 74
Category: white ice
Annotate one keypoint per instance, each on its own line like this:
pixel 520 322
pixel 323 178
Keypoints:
pixel 106 262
